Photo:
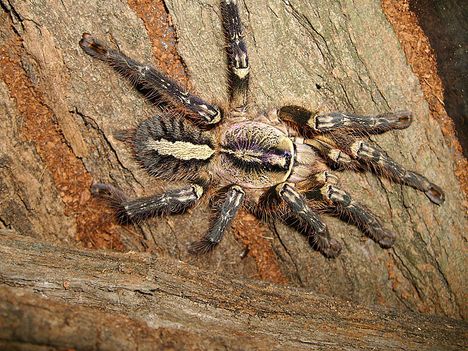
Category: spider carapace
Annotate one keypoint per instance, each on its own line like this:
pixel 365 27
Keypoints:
pixel 277 163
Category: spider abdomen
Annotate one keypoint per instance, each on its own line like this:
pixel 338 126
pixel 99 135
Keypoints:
pixel 255 155
pixel 169 146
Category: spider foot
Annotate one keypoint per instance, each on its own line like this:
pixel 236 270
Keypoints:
pixel 378 161
pixel 224 216
pixel 435 194
pixel 360 215
pixel 202 246
pixel 332 250
pixel 386 239
pixel 115 198
pixel 398 119
pixel 107 191
pixel 93 47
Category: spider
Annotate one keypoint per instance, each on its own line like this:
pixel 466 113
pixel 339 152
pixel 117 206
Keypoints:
pixel 277 164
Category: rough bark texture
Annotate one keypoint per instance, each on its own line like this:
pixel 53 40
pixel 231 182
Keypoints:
pixel 109 301
pixel 58 110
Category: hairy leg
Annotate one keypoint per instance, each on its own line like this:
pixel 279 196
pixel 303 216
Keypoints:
pixel 297 205
pixel 346 122
pixel 341 203
pixel 129 211
pixel 224 216
pixel 377 160
pixel 354 154
pixel 151 79
pixel 330 152
pixel 339 146
pixel 238 60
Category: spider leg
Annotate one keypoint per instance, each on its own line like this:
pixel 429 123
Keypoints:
pixel 377 160
pixel 297 204
pixel 337 149
pixel 238 60
pixel 333 121
pixel 152 80
pixel 353 155
pixel 129 211
pixel 330 152
pixel 224 217
pixel 344 205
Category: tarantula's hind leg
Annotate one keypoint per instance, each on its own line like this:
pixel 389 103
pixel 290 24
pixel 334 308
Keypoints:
pixel 129 211
pixel 152 81
pixel 224 216
pixel 299 209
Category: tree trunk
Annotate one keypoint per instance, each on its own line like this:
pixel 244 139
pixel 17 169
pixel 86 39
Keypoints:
pixel 59 109
pixel 90 300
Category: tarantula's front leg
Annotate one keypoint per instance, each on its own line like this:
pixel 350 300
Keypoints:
pixel 334 121
pixel 238 60
pixel 357 213
pixel 377 160
pixel 129 211
pixel 152 80
pixel 330 152
pixel 225 215
pixel 345 151
pixel 297 204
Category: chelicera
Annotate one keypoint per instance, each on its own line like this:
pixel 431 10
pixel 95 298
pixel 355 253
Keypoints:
pixel 276 164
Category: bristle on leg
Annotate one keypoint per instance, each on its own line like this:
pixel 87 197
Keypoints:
pixel 152 80
pixel 223 219
pixel 297 204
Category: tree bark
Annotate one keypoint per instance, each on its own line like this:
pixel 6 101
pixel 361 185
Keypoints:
pixel 59 109
pixel 90 300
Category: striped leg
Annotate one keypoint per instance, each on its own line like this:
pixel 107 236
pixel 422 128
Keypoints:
pixel 355 123
pixel 337 144
pixel 152 80
pixel 337 121
pixel 129 211
pixel 357 213
pixel 224 217
pixel 309 219
pixel 238 60
pixel 330 152
pixel 378 160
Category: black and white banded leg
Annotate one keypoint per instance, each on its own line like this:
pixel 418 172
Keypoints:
pixel 346 122
pixel 151 79
pixel 334 156
pixel 238 60
pixel 342 203
pixel 224 216
pixel 355 123
pixel 377 160
pixel 130 211
pixel 298 207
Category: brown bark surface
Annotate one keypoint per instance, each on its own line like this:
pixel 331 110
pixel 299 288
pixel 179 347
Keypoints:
pixel 58 109
pixel 91 300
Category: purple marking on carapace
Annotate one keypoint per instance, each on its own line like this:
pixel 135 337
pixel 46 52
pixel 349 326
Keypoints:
pixel 255 155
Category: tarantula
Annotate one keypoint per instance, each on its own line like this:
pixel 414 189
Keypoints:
pixel 277 164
